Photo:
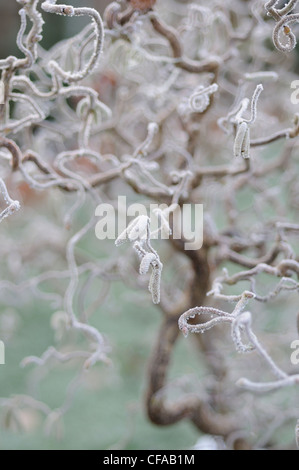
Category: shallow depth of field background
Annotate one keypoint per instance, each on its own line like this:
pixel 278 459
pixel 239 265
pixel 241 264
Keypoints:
pixel 108 413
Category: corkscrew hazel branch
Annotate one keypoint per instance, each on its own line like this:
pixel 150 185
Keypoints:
pixel 240 321
pixel 91 333
pixel 285 226
pixel 163 217
pixel 14 150
pixel 91 99
pixel 51 354
pixel 285 284
pixel 264 75
pixel 289 133
pixel 284 19
pixel 286 266
pixel 200 99
pixel 272 11
pixel 33 37
pixel 210 65
pixel 67 10
pixel 20 38
pixel 35 34
pixel 236 331
pixel 253 107
pixel 265 387
pixel 111 14
pixel 247 320
pixel 142 150
pixel 12 206
pixel 283 25
pixel 218 316
pixel 24 82
pixel 143 169
pixel 35 117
